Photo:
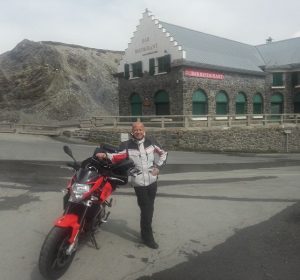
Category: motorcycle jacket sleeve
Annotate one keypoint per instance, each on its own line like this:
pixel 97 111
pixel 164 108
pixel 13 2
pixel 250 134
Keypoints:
pixel 162 155
pixel 121 155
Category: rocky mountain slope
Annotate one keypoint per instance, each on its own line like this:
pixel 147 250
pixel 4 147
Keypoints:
pixel 47 82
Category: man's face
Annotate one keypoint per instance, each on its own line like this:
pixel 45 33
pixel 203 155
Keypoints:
pixel 138 131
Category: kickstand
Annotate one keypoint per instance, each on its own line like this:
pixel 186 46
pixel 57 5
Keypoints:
pixel 94 241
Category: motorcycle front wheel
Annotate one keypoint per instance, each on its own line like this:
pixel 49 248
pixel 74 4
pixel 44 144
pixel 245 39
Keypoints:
pixel 54 261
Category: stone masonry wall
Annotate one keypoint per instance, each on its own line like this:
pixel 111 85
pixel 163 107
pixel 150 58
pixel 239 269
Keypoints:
pixel 147 87
pixel 232 84
pixel 181 88
pixel 235 139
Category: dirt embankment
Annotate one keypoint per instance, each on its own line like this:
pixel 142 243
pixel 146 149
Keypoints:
pixel 48 82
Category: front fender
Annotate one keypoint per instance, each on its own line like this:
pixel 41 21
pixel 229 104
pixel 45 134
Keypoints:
pixel 69 221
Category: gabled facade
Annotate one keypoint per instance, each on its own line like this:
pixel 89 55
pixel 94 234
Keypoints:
pixel 172 70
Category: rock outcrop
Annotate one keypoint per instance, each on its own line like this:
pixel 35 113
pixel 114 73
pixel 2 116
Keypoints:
pixel 46 82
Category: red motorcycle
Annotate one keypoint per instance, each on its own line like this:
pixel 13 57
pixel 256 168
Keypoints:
pixel 85 209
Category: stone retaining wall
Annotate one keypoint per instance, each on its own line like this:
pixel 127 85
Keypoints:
pixel 235 139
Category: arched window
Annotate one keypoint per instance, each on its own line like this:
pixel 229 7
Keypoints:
pixel 136 105
pixel 297 103
pixel 221 103
pixel 162 104
pixel 240 104
pixel 199 103
pixel 257 104
pixel 277 103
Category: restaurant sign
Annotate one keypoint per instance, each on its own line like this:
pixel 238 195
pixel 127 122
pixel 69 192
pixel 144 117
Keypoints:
pixel 203 74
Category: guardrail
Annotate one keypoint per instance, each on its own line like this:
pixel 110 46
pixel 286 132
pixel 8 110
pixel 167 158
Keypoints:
pixel 193 121
pixel 38 129
pixel 154 121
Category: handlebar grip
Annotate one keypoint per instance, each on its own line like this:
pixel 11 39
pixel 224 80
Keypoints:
pixel 100 161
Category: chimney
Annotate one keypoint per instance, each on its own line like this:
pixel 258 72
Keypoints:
pixel 269 40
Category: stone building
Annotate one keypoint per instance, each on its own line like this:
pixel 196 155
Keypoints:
pixel 172 70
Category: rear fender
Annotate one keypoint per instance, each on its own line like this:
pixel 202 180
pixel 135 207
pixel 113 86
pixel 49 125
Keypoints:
pixel 69 221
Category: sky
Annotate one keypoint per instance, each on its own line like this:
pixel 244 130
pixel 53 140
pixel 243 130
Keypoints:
pixel 109 24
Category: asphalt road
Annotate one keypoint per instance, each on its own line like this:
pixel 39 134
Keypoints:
pixel 217 216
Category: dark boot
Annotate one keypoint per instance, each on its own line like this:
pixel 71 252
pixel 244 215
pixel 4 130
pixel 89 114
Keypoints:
pixel 149 241
pixel 151 244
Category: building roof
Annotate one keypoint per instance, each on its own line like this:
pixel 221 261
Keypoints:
pixel 212 50
pixel 281 54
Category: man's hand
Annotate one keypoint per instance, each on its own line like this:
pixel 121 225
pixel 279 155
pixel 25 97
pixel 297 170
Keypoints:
pixel 101 156
pixel 155 171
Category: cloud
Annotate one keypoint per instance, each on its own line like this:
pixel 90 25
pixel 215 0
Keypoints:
pixel 111 24
pixel 297 34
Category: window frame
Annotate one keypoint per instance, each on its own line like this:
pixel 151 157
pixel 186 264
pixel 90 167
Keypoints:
pixel 160 65
pixel 199 105
pixel 136 103
pixel 278 79
pixel 257 104
pixel 137 69
pixel 296 79
pixel 297 103
pixel 241 106
pixel 222 105
pixel 162 103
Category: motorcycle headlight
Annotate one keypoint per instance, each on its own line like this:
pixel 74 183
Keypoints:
pixel 78 190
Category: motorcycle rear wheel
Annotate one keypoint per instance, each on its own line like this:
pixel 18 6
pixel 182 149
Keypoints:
pixel 54 261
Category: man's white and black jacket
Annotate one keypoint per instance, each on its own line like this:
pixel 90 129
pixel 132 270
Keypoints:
pixel 146 154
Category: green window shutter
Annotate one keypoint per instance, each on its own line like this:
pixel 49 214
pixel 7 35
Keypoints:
pixel 162 97
pixel 136 105
pixel 257 104
pixel 199 96
pixel 151 66
pixel 221 103
pixel 164 63
pixel 277 98
pixel 240 104
pixel 297 97
pixel 126 71
pixel 160 63
pixel 257 98
pixel 222 97
pixel 162 105
pixel 222 109
pixel 277 79
pixel 297 103
pixel 295 79
pixel 240 108
pixel 277 103
pixel 257 108
pixel 137 70
pixel 167 63
pixel 140 69
pixel 199 106
pixel 240 98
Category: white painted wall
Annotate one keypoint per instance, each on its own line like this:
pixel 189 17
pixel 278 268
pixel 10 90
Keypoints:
pixel 150 40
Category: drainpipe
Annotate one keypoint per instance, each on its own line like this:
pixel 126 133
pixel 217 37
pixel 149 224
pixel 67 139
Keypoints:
pixel 287 132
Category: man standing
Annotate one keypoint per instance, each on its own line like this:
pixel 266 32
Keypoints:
pixel 142 151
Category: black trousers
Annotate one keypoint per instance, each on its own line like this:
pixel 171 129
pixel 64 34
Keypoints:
pixel 145 199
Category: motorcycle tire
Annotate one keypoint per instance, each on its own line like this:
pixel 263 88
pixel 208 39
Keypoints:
pixel 54 261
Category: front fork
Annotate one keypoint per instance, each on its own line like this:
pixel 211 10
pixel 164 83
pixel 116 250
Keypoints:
pixel 69 220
